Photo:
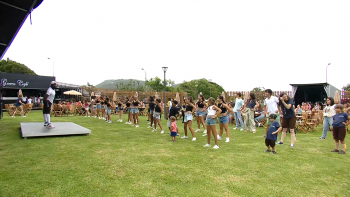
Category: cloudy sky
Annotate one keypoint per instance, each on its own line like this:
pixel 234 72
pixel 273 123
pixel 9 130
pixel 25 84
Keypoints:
pixel 238 44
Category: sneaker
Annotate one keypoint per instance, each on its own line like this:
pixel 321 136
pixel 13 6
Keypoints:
pixel 207 145
pixel 154 130
pixel 254 131
pixel 227 139
pixel 184 137
pixel 126 122
pixel 241 129
pixel 205 131
pixel 204 134
pixel 292 145
pixel 279 142
pixel 197 130
pixel 109 121
pixel 149 127
pixel 194 139
pixel 216 147
pixel 161 131
pixel 177 134
pixel 335 151
pixel 219 138
pixel 341 152
pixel 50 126
pixel 137 126
pixel 267 151
pixel 322 138
pixel 273 152
pixel 46 124
pixel 234 128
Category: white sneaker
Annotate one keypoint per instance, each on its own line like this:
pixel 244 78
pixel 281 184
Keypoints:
pixel 184 137
pixel 241 129
pixel 205 131
pixel 291 145
pixel 197 130
pixel 234 128
pixel 227 139
pixel 109 121
pixel 194 139
pixel 207 145
pixel 204 135
pixel 162 132
pixel 219 138
pixel 154 130
pixel 216 147
pixel 126 122
pixel 149 127
pixel 50 126
pixel 137 126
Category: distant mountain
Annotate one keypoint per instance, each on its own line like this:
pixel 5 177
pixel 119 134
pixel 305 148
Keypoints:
pixel 112 83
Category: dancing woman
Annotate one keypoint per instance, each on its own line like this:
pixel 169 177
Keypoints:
pixel 200 113
pixel 223 118
pixel 213 112
pixel 190 109
pixel 135 110
pixel 158 109
pixel 120 110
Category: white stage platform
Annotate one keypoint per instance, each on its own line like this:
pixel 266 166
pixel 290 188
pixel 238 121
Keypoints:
pixel 37 129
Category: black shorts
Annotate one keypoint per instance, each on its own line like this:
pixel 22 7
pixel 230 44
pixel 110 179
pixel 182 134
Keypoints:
pixel 270 143
pixel 47 107
pixel 339 133
pixel 289 123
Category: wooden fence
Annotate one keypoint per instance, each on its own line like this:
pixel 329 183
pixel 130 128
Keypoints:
pixel 259 95
pixel 142 95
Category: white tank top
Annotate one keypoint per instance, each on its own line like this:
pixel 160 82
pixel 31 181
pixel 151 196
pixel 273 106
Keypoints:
pixel 211 111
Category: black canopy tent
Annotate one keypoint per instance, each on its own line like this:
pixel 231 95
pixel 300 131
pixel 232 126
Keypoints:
pixel 13 13
pixel 317 92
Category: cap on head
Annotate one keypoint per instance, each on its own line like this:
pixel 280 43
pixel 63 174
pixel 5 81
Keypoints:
pixel 53 82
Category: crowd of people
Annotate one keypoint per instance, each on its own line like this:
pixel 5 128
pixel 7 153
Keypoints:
pixel 280 114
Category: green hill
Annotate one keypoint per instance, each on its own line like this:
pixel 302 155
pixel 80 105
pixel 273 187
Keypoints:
pixel 112 83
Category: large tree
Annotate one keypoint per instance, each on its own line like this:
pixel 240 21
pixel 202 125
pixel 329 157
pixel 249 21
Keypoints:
pixel 157 84
pixel 347 87
pixel 194 87
pixel 9 66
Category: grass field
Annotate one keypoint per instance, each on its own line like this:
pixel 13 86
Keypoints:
pixel 120 160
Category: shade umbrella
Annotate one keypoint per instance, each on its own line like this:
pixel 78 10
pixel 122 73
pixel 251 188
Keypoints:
pixel 115 96
pixel 72 92
pixel 337 97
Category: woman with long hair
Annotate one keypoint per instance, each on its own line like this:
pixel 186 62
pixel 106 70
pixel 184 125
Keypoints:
pixel 108 110
pixel 223 118
pixel 328 113
pixel 158 109
pixel 250 105
pixel 151 106
pixel 200 113
pixel 19 104
pixel 190 109
pixel 129 110
pixel 135 112
pixel 213 112
pixel 120 110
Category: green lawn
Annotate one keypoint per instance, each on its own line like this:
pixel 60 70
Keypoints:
pixel 120 160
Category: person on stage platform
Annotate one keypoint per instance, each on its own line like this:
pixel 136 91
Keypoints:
pixel 48 100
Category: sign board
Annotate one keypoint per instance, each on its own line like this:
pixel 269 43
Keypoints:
pixel 22 81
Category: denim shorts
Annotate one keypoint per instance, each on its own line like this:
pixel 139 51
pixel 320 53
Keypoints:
pixel 188 117
pixel 108 111
pixel 223 119
pixel 151 112
pixel 210 121
pixel 200 113
pixel 102 107
pixel 130 110
pixel 120 109
pixel 135 110
pixel 156 115
pixel 98 106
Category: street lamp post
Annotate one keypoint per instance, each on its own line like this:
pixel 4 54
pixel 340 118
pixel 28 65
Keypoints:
pixel 145 78
pixel 53 67
pixel 210 86
pixel 165 69
pixel 326 77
